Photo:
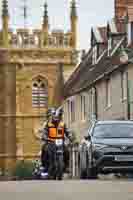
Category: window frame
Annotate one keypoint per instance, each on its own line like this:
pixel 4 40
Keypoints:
pixel 123 85
pixel 108 92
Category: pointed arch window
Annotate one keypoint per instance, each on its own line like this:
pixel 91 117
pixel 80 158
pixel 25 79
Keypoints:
pixel 39 93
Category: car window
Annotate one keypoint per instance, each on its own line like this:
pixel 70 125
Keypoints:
pixel 113 131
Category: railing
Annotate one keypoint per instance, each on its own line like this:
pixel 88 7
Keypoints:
pixel 74 161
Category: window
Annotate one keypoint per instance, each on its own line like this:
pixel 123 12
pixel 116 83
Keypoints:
pixel 94 109
pixel 109 45
pixel 72 107
pixel 39 93
pixel 71 110
pixel 50 41
pixel 123 85
pixel 94 55
pixel 108 93
pixel 130 33
pixel 83 107
pixel 60 41
pixel 66 42
pixel 68 112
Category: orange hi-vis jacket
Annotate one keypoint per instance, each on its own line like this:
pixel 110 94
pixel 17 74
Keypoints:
pixel 56 132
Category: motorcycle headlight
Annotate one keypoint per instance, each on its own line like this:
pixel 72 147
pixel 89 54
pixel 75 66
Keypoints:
pixel 99 146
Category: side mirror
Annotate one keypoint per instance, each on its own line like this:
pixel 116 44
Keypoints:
pixel 88 137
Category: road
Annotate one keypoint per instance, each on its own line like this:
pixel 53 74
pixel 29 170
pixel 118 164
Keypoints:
pixel 67 190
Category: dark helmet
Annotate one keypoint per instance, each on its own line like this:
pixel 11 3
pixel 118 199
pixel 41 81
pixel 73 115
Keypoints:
pixel 55 115
pixel 50 112
pixel 60 112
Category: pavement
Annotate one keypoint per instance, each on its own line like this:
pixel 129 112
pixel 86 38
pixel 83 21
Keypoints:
pixel 67 190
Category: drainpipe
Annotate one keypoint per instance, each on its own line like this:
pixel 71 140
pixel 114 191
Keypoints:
pixel 96 103
pixel 128 98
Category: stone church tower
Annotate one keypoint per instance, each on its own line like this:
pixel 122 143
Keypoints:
pixel 33 67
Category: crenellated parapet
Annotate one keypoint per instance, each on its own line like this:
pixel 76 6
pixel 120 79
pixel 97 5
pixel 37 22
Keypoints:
pixel 38 38
pixel 27 38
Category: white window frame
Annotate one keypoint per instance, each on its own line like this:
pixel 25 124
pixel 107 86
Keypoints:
pixel 109 45
pixel 94 55
pixel 108 92
pixel 83 107
pixel 124 85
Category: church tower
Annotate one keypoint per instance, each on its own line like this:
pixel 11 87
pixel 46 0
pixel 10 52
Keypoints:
pixel 74 18
pixel 34 65
pixel 5 23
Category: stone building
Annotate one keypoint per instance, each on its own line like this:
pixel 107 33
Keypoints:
pixel 34 65
pixel 101 87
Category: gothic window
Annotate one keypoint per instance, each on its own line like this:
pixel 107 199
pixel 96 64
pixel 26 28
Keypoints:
pixel 20 40
pixel 60 41
pixel 25 40
pixel 14 41
pixel 36 40
pixel 66 42
pixel 39 93
pixel 50 41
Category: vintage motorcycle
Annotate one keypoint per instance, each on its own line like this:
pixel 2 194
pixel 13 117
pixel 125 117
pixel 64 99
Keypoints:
pixel 55 159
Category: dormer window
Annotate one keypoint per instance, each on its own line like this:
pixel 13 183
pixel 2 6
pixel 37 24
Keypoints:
pixel 94 55
pixel 109 45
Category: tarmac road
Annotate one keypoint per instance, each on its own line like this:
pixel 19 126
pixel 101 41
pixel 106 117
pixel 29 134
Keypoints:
pixel 67 190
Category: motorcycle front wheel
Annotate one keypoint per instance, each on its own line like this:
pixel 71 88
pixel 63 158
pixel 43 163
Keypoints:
pixel 60 166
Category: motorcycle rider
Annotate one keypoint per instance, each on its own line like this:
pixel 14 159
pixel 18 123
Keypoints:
pixel 55 128
pixel 67 142
pixel 44 155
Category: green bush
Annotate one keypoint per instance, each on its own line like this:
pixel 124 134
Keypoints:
pixel 23 169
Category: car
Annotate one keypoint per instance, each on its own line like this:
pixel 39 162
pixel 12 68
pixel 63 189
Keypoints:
pixel 110 148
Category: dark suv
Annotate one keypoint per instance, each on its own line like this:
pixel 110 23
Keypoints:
pixel 111 148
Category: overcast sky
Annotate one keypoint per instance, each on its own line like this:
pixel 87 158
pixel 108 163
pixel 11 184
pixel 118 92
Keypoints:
pixel 90 13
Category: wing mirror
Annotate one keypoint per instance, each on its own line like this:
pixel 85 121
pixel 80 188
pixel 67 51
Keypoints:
pixel 88 137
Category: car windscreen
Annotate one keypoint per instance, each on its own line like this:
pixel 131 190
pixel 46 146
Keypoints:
pixel 113 131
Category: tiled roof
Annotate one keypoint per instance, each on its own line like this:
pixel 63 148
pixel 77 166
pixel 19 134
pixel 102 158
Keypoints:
pixel 88 74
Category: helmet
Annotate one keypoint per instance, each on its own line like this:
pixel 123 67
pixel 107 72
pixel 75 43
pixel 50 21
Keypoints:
pixel 55 115
pixel 60 112
pixel 50 112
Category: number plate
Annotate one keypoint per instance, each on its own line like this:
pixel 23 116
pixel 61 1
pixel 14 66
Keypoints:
pixel 59 142
pixel 123 158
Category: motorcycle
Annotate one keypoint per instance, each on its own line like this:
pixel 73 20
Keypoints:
pixel 56 159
